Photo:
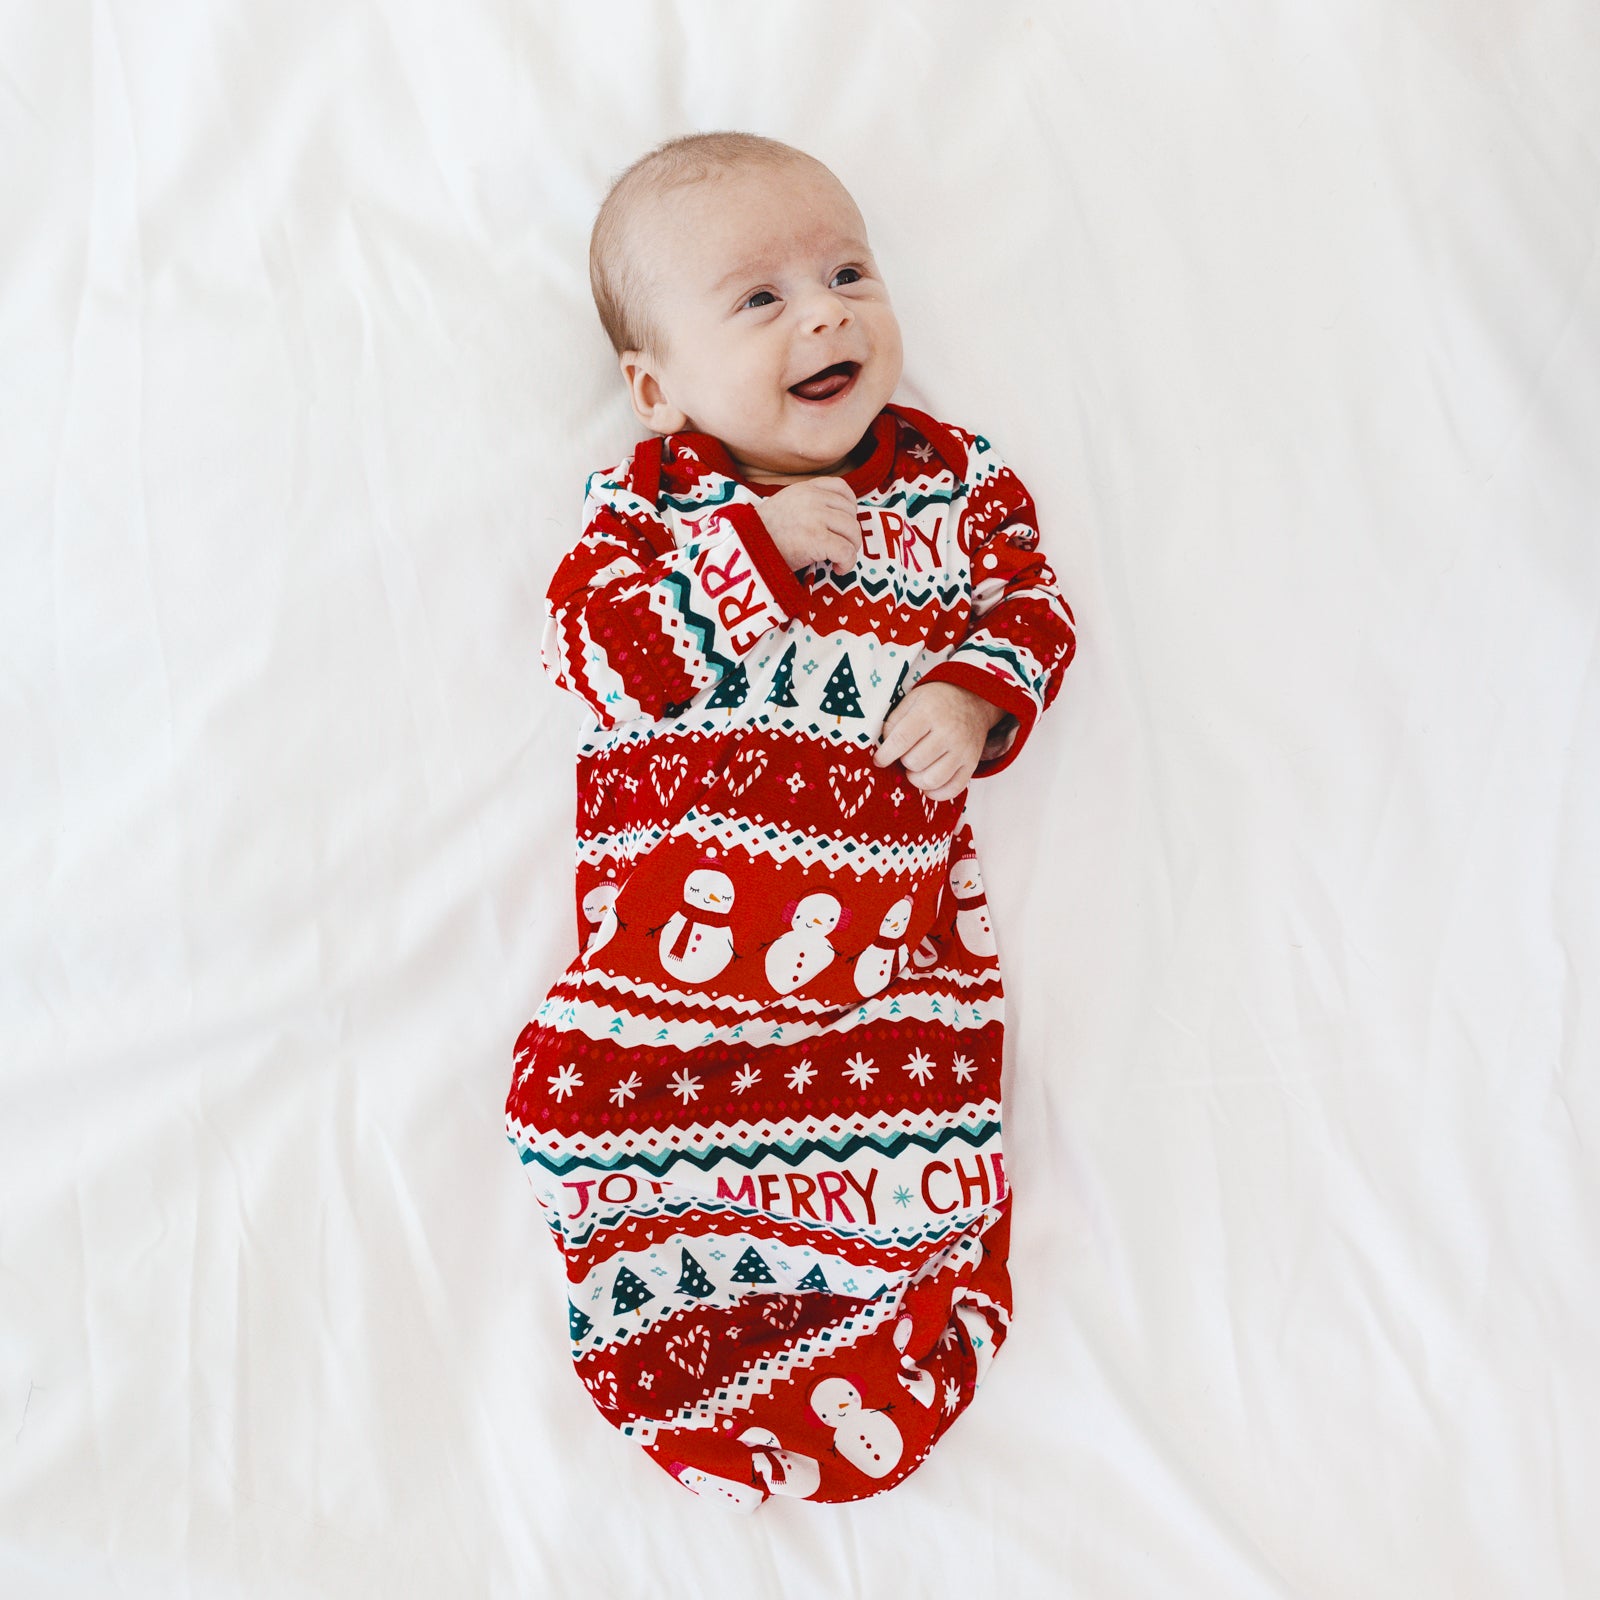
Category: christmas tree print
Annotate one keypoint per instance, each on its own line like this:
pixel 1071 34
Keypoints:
pixel 752 1269
pixel 782 691
pixel 839 696
pixel 814 1280
pixel 577 1323
pixel 628 1293
pixel 732 690
pixel 899 686
pixel 694 1280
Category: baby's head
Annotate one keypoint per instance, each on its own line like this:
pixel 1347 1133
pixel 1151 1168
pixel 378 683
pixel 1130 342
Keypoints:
pixel 733 276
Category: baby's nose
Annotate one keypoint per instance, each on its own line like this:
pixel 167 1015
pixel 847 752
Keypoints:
pixel 829 311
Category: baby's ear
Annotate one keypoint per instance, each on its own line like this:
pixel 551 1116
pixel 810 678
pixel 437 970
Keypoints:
pixel 650 403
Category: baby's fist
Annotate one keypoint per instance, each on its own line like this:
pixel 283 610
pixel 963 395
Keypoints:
pixel 814 521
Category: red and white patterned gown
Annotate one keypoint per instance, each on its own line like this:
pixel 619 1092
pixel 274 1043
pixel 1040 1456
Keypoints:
pixel 761 1108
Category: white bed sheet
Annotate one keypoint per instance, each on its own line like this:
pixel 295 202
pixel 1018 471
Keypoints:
pixel 1289 316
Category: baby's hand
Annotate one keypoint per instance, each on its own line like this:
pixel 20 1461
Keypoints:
pixel 814 521
pixel 939 731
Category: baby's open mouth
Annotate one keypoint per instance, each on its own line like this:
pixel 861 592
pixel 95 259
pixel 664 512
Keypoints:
pixel 826 384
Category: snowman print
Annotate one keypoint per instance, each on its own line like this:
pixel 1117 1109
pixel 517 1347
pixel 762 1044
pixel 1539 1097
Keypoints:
pixel 783 1471
pixel 600 906
pixel 696 943
pixel 972 906
pixel 918 1380
pixel 799 955
pixel 877 963
pixel 866 1438
pixel 741 1496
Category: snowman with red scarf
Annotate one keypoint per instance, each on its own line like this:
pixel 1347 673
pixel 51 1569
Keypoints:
pixel 973 927
pixel 697 943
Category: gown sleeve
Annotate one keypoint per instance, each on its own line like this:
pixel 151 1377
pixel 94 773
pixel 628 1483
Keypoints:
pixel 637 623
pixel 1020 635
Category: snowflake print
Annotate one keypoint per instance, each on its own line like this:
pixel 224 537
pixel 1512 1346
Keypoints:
pixel 948 1337
pixel 920 1066
pixel 562 1083
pixel 922 452
pixel 524 1075
pixel 746 1079
pixel 952 1395
pixel 902 1196
pixel 860 1070
pixel 962 1068
pixel 685 1087
pixel 626 1090
pixel 800 1076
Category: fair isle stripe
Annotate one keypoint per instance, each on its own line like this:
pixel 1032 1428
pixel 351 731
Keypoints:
pixel 797 1007
pixel 759 1378
pixel 692 635
pixel 979 1116
pixel 660 1266
pixel 608 1021
pixel 716 1256
pixel 813 848
pixel 781 844
pixel 535 1148
pixel 624 845
pixel 1008 653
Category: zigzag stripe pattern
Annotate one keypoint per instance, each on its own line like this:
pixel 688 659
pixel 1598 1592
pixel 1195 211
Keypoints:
pixel 716 1154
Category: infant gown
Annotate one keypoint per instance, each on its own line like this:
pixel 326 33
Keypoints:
pixel 761 1109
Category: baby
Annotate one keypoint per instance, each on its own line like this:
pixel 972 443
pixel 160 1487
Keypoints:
pixel 761 1109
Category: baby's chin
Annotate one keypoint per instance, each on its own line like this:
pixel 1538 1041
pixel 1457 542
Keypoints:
pixel 770 464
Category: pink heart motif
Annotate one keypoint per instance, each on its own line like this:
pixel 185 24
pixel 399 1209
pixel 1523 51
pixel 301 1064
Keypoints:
pixel 689 1350
pixel 744 769
pixel 850 788
pixel 676 767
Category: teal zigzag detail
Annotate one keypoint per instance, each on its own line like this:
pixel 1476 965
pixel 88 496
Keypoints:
pixel 702 626
pixel 709 502
pixel 793 1151
pixel 999 653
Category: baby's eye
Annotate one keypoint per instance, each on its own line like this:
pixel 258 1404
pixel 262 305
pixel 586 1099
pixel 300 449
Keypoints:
pixel 854 274
pixel 760 298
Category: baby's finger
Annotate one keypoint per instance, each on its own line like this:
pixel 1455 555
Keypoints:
pixel 936 777
pixel 842 551
pixel 898 735
pixel 926 761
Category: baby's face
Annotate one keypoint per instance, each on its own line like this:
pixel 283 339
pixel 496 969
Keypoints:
pixel 761 280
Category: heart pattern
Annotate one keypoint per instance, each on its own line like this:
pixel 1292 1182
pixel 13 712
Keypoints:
pixel 850 788
pixel 689 1350
pixel 745 768
pixel 781 1310
pixel 672 769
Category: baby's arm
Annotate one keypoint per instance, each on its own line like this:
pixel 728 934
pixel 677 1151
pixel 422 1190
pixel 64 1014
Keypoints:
pixel 636 626
pixel 1021 636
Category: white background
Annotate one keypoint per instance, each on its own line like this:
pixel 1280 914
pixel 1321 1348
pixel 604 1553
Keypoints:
pixel 1289 315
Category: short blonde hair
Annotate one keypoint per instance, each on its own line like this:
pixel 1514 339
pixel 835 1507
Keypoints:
pixel 620 286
